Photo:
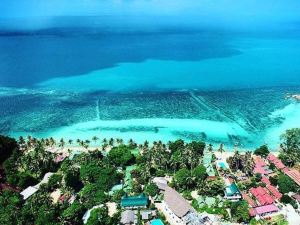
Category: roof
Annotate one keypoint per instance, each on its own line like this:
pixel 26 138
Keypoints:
pixel 44 180
pixel 134 201
pixel 274 192
pixel 250 201
pixel 232 189
pixel 263 209
pixel 294 175
pixel 297 197
pixel 161 182
pixel 28 192
pixel 262 196
pixel 277 162
pixel 265 180
pixel 145 214
pixel 179 206
pixel 127 217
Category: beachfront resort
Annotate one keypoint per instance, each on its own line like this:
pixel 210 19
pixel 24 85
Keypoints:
pixel 45 181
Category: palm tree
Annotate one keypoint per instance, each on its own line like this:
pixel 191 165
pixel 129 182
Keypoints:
pixel 70 141
pixel 111 142
pixel 61 143
pixel 95 139
pixel 104 141
pixel 210 148
pixel 221 149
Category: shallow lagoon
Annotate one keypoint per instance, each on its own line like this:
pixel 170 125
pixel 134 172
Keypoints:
pixel 213 88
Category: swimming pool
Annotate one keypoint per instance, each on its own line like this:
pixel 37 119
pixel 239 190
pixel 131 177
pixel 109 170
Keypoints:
pixel 157 222
pixel 223 165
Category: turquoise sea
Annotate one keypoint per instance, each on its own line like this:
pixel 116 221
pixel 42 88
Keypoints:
pixel 160 85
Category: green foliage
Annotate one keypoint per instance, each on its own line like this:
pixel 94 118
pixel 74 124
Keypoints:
pixel 274 180
pixel 54 181
pixel 198 146
pixel 177 145
pixel 25 180
pixel 10 204
pixel 73 214
pixel 258 177
pixel 183 178
pixel 104 177
pixel 199 173
pixel 151 189
pixel 7 145
pixel 72 179
pixel 100 216
pixel 290 146
pixel 213 187
pixel 286 184
pixel 262 151
pixel 240 211
pixel 121 156
pixel 286 199
pixel 92 195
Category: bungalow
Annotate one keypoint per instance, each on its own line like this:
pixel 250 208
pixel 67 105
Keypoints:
pixel 32 189
pixel 294 175
pixel 140 201
pixel 28 192
pixel 265 210
pixel 262 196
pixel 232 192
pixel 261 166
pixel 277 162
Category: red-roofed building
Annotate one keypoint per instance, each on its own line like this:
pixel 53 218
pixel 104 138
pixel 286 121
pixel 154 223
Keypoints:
pixel 262 196
pixel 264 210
pixel 277 162
pixel 250 201
pixel 266 180
pixel 277 195
pixel 261 166
pixel 294 175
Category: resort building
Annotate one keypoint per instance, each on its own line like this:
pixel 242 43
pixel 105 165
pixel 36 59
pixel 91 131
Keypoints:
pixel 232 192
pixel 140 201
pixel 277 162
pixel 262 196
pixel 294 175
pixel 28 192
pixel 160 182
pixel 32 189
pixel 175 206
pixel 261 166
pixel 264 211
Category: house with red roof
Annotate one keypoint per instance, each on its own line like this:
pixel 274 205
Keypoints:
pixel 262 195
pixel 294 175
pixel 274 192
pixel 260 166
pixel 265 210
pixel 277 162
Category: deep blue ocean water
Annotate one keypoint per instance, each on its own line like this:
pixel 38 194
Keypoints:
pixel 216 86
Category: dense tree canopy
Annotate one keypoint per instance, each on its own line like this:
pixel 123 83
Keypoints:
pixel 262 151
pixel 286 184
pixel 7 146
pixel 121 156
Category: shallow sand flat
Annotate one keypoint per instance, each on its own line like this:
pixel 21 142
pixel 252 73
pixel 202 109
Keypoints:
pixel 155 129
pixel 291 119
